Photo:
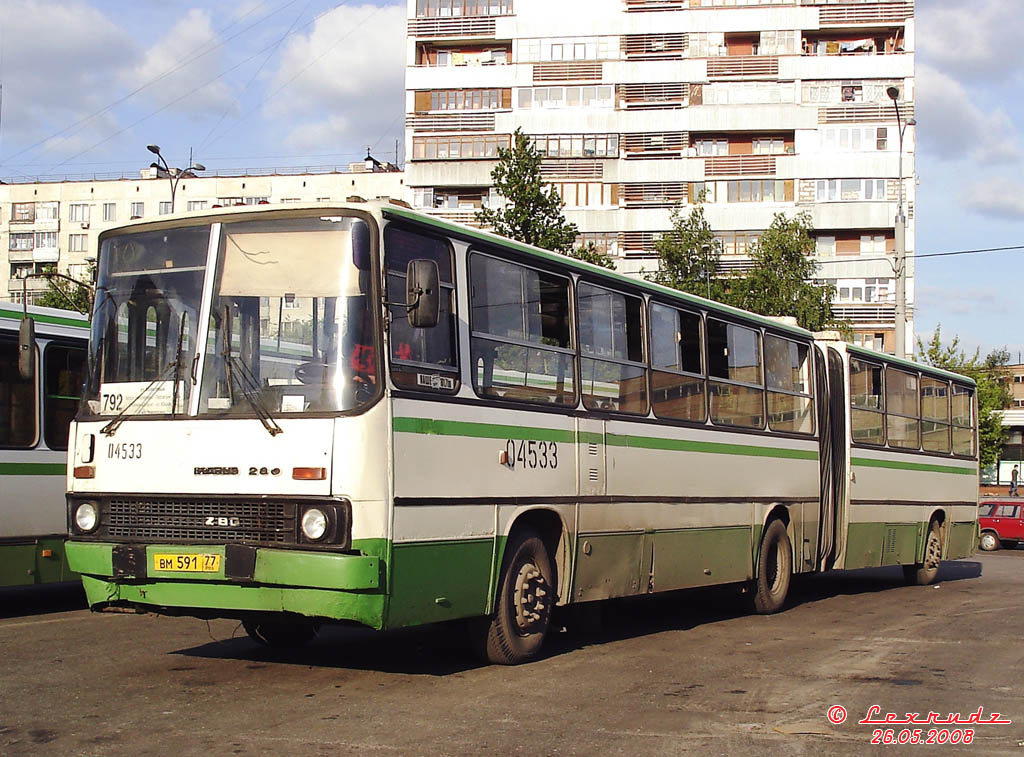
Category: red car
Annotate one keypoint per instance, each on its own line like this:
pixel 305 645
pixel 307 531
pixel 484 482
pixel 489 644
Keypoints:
pixel 1001 522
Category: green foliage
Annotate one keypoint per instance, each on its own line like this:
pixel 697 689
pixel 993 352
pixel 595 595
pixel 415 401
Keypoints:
pixel 590 254
pixel 63 294
pixel 993 395
pixel 533 209
pixel 688 256
pixel 780 283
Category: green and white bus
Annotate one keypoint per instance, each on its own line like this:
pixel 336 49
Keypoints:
pixel 362 413
pixel 38 401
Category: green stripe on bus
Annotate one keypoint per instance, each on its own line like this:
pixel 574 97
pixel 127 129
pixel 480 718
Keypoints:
pixel 33 469
pixel 54 319
pixel 496 431
pixel 867 462
pixel 714 448
pixel 480 430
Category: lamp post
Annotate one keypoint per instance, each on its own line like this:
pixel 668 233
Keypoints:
pixel 900 232
pixel 174 174
pixel 706 248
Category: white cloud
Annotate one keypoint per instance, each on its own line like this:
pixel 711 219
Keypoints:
pixel 344 81
pixel 972 40
pixel 191 39
pixel 961 300
pixel 996 197
pixel 59 58
pixel 953 127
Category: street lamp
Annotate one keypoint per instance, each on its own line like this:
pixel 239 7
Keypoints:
pixel 900 231
pixel 173 174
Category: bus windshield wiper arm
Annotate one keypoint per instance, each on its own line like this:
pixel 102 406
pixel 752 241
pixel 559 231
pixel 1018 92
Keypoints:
pixel 247 383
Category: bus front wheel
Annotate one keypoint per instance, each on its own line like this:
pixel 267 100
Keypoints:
pixel 775 569
pixel 526 596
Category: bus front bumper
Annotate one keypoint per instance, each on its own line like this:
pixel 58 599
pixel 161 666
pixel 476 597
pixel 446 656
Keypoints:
pixel 235 580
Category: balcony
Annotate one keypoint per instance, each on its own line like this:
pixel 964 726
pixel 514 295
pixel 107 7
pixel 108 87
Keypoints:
pixel 863 113
pixel 545 72
pixel 743 67
pixel 455 122
pixel 671 46
pixel 867 313
pixel 869 14
pixel 32 286
pixel 480 27
pixel 571 169
pixel 740 165
pixel 457 215
pixel 647 6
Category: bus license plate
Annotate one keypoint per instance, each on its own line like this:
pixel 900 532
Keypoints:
pixel 190 563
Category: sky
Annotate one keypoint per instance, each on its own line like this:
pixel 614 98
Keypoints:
pixel 87 84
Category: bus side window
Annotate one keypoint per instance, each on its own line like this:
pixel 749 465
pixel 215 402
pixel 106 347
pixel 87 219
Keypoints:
pixel 613 372
pixel 421 358
pixel 677 372
pixel 736 386
pixel 17 400
pixel 64 373
pixel 963 421
pixel 867 411
pixel 902 409
pixel 788 372
pixel 935 414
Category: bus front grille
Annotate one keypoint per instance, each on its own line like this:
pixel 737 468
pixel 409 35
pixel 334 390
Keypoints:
pixel 188 520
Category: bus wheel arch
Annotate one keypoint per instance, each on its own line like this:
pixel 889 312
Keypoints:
pixel 548 525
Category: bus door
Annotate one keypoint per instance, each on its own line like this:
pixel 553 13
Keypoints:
pixel 832 412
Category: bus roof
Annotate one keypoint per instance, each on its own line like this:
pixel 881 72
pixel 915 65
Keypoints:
pixel 865 352
pixel 11 313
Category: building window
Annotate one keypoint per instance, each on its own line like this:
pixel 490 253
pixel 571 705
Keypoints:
pixel 458 8
pixel 769 146
pixel 463 99
pixel 164 208
pixel 459 147
pixel 566 97
pixel 761 190
pixel 850 190
pixel 77 242
pixel 23 212
pixel 21 241
pixel 46 240
pixel 579 194
pixel 604 242
pixel 541 50
pixel 712 147
pixel 109 212
pixel 79 213
pixel 200 204
pixel 738 243
pixel 577 145
pixel 138 209
pixel 47 211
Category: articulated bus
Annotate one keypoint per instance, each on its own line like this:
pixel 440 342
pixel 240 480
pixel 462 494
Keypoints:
pixel 37 405
pixel 364 414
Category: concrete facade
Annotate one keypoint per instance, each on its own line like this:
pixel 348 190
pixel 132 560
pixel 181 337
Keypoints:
pixel 769 106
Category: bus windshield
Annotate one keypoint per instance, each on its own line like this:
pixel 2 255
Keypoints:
pixel 291 325
pixel 291 322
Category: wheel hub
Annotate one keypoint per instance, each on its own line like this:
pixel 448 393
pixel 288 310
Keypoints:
pixel 932 558
pixel 531 597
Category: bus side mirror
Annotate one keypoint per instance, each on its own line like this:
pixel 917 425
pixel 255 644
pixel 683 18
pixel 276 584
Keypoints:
pixel 422 293
pixel 27 349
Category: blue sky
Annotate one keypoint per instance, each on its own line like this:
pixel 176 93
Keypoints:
pixel 246 83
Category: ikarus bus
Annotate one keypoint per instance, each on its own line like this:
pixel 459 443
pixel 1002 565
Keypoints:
pixel 303 414
pixel 39 395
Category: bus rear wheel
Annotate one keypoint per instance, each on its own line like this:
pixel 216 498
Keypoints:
pixel 525 598
pixel 281 631
pixel 926 572
pixel 775 569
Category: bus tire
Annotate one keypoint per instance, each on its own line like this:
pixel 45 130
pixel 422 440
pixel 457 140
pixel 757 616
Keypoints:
pixel 774 569
pixel 522 616
pixel 281 631
pixel 926 572
pixel 989 542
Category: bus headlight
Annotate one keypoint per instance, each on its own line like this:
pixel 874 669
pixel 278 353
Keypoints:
pixel 314 524
pixel 87 517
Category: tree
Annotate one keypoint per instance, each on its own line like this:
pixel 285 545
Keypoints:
pixel 780 283
pixel 989 374
pixel 62 293
pixel 590 254
pixel 688 256
pixel 533 209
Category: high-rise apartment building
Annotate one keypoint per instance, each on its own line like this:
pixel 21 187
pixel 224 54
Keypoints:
pixel 757 106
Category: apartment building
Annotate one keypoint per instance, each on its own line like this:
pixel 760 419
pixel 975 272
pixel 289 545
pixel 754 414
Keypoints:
pixel 757 106
pixel 57 222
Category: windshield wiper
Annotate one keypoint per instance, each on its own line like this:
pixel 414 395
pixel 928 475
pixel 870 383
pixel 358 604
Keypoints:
pixel 251 394
pixel 175 365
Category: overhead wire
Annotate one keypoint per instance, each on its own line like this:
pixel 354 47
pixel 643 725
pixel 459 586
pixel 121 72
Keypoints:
pixel 192 57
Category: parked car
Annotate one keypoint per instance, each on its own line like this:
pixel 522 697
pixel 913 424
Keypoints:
pixel 1001 522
